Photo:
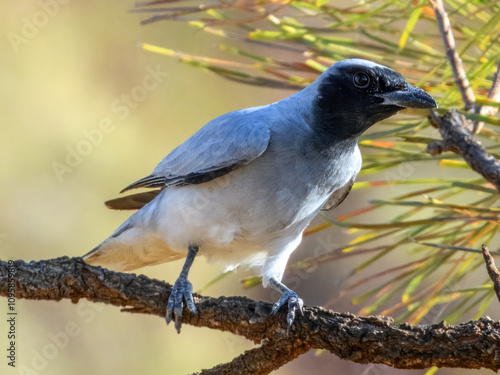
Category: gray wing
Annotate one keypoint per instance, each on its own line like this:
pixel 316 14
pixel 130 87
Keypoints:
pixel 223 144
pixel 338 196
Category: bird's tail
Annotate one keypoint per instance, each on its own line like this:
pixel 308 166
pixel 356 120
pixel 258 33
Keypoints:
pixel 130 248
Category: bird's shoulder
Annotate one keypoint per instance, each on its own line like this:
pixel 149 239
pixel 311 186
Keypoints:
pixel 232 138
pixel 223 144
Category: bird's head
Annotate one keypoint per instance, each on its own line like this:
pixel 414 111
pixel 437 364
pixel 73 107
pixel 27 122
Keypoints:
pixel 354 94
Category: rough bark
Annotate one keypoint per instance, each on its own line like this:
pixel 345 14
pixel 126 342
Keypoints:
pixel 455 130
pixel 268 357
pixel 373 339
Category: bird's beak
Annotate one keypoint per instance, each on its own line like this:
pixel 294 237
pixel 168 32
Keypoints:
pixel 412 97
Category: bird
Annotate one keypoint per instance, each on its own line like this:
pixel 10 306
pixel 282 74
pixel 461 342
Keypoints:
pixel 242 189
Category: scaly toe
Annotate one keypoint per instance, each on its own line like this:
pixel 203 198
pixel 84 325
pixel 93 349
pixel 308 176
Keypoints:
pixel 181 289
pixel 190 302
pixel 293 302
pixel 170 307
pixel 278 304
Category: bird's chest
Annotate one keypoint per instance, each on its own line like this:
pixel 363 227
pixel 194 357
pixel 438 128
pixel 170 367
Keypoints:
pixel 298 185
pixel 323 177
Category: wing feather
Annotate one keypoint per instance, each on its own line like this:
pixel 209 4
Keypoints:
pixel 146 182
pixel 225 143
pixel 338 196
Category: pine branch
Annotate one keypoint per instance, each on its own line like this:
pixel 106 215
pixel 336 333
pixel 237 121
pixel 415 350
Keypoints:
pixel 452 54
pixel 457 137
pixel 268 357
pixel 492 270
pixel 372 339
pixel 493 94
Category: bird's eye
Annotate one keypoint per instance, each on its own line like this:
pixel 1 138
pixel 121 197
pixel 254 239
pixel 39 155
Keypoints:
pixel 361 80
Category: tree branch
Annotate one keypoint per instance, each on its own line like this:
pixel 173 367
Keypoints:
pixel 372 339
pixel 457 137
pixel 452 54
pixel 492 270
pixel 270 356
pixel 493 94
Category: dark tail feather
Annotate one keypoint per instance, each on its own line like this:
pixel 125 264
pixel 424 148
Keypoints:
pixel 132 202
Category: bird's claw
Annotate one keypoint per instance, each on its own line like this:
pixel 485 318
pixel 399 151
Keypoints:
pixel 294 302
pixel 181 290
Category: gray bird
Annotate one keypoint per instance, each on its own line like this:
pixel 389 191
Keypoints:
pixel 245 186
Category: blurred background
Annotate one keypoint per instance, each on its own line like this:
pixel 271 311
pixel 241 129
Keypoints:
pixel 84 113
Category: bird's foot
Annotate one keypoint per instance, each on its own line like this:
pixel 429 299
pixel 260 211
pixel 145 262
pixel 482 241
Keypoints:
pixel 294 303
pixel 181 290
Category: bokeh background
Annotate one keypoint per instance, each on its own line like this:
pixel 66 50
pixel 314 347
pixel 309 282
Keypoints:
pixel 65 70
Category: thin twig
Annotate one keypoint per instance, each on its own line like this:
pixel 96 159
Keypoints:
pixel 492 270
pixel 493 94
pixel 452 54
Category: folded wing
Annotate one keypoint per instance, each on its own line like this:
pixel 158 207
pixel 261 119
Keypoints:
pixel 338 196
pixel 222 145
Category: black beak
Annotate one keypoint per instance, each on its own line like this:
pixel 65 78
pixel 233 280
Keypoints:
pixel 412 97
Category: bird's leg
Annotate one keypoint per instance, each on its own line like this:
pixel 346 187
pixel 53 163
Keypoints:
pixel 182 289
pixel 287 295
